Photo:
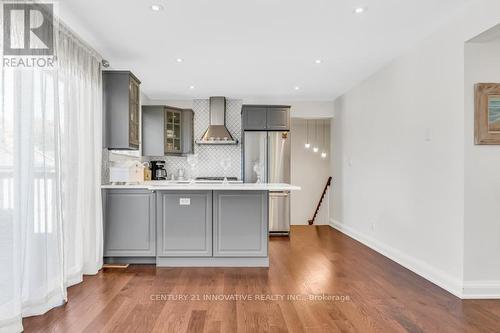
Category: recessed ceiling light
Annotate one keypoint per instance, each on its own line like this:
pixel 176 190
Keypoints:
pixel 296 88
pixel 179 60
pixel 318 61
pixel 191 87
pixel 156 7
pixel 359 10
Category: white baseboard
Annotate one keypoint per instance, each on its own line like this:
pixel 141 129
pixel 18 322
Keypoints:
pixel 461 289
pixel 481 290
pixel 417 266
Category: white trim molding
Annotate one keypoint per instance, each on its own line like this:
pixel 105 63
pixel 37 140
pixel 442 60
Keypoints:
pixel 481 290
pixel 434 275
pixel 463 290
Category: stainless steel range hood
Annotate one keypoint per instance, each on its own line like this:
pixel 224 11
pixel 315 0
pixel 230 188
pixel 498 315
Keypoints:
pixel 217 133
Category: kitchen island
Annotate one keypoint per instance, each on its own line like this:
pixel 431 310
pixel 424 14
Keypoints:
pixel 172 223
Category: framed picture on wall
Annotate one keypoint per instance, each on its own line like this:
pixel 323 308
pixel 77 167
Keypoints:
pixel 487 114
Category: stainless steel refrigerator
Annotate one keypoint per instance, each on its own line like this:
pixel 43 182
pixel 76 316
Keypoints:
pixel 268 154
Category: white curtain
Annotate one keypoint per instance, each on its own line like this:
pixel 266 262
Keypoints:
pixel 50 174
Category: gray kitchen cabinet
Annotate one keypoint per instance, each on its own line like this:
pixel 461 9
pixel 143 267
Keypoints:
pixel 254 117
pixel 278 118
pixel 265 118
pixel 129 223
pixel 152 130
pixel 187 131
pixel 240 223
pixel 173 131
pixel 184 223
pixel 167 131
pixel 121 99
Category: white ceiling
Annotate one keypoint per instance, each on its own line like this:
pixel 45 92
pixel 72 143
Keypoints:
pixel 253 48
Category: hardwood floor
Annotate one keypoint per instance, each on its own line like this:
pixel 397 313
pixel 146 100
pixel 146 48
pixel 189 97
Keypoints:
pixel 367 293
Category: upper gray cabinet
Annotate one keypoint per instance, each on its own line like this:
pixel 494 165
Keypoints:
pixel 265 118
pixel 121 97
pixel 254 117
pixel 152 130
pixel 187 131
pixel 278 118
pixel 167 130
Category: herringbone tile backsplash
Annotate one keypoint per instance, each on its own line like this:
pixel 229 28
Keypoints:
pixel 209 156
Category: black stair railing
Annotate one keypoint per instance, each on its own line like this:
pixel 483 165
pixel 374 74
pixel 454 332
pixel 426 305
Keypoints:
pixel 328 183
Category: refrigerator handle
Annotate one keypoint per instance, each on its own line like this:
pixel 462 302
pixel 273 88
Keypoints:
pixel 268 157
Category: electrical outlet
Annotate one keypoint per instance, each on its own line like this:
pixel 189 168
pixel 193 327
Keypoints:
pixel 184 201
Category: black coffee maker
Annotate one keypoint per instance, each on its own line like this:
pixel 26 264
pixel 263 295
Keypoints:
pixel 158 171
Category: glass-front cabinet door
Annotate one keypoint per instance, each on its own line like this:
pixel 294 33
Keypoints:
pixel 173 131
pixel 134 113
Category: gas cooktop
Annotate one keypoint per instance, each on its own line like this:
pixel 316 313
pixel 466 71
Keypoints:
pixel 217 178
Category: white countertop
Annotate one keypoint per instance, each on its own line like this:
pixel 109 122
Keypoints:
pixel 203 185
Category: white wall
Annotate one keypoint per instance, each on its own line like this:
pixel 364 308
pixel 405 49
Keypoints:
pixel 391 184
pixel 184 104
pixel 398 156
pixel 299 109
pixel 310 172
pixel 482 176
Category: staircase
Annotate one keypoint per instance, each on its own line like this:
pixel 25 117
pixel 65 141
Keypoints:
pixel 328 183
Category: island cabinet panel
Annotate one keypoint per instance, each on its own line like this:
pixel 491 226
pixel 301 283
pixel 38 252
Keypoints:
pixel 129 223
pixel 184 223
pixel 240 223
